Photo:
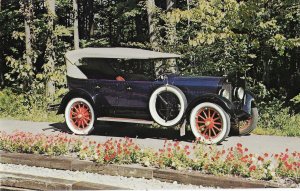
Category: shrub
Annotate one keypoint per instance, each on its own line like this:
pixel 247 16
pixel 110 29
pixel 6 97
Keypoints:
pixel 25 107
pixel 276 119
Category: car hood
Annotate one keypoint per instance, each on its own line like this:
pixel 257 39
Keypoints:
pixel 203 80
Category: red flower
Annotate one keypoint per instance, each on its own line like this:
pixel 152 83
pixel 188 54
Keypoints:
pixel 169 149
pixel 136 148
pixel 252 167
pixel 246 149
pixel 106 158
pixel 276 156
pixel 188 153
pixel 266 154
pixel 286 150
pixel 260 158
pixel 239 145
pixel 186 147
pixel 223 151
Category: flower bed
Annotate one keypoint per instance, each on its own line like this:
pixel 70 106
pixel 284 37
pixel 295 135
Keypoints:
pixel 236 160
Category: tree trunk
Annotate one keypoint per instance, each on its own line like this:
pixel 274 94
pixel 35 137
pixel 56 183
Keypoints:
pixel 50 88
pixel 91 18
pixel 27 14
pixel 151 23
pixel 76 32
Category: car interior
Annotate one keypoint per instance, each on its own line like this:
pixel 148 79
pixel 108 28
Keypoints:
pixel 116 69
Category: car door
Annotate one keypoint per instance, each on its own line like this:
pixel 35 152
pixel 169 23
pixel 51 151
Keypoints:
pixel 106 96
pixel 133 99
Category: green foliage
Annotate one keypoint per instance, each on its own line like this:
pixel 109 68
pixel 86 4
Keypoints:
pixel 275 119
pixel 25 107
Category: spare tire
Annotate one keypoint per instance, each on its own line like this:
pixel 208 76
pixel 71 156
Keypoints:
pixel 167 105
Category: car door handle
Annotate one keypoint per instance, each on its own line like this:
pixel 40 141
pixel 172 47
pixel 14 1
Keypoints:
pixel 98 87
pixel 128 88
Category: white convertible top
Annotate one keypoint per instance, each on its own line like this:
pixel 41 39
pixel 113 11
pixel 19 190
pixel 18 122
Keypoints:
pixel 117 53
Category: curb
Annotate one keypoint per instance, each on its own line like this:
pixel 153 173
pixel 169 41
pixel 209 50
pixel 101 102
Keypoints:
pixel 184 177
pixel 25 181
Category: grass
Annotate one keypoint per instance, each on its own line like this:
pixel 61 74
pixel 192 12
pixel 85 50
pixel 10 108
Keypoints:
pixel 39 116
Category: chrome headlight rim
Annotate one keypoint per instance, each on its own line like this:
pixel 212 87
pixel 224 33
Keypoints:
pixel 224 93
pixel 239 92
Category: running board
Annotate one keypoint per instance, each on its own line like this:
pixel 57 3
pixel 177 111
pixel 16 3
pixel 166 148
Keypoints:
pixel 125 120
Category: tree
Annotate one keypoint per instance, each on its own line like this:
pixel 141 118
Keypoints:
pixel 27 8
pixel 151 24
pixel 50 66
pixel 76 32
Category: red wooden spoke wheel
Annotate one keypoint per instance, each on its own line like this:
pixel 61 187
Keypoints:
pixel 80 115
pixel 209 122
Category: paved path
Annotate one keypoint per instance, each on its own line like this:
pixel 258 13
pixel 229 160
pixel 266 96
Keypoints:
pixel 154 138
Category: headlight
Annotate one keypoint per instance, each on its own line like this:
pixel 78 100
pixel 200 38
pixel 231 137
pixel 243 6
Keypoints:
pixel 239 93
pixel 224 93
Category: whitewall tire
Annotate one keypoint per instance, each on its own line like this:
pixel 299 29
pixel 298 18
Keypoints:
pixel 209 123
pixel 80 116
pixel 153 110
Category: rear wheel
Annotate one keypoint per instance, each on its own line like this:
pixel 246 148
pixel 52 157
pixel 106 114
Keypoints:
pixel 209 123
pixel 80 117
pixel 247 126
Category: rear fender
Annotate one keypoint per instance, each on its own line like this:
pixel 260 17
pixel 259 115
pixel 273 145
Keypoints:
pixel 73 94
pixel 212 98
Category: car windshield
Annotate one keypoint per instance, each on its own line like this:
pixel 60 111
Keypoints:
pixel 131 69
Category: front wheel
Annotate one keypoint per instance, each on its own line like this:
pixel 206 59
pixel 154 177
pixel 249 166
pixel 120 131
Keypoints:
pixel 209 123
pixel 247 126
pixel 80 116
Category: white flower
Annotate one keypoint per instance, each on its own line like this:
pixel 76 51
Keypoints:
pixel 147 163
pixel 173 164
pixel 273 173
pixel 271 167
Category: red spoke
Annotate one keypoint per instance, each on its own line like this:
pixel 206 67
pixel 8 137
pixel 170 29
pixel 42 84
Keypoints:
pixel 209 132
pixel 214 113
pixel 86 123
pixel 215 119
pixel 213 131
pixel 199 115
pixel 217 128
pixel 218 123
pixel 201 127
pixel 208 112
pixel 204 113
pixel 205 131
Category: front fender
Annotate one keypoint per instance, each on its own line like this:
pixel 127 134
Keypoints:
pixel 213 98
pixel 248 102
pixel 72 94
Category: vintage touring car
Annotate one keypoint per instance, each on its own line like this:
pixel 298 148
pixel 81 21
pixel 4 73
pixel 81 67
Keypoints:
pixel 121 84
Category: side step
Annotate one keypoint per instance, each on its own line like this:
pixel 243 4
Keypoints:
pixel 125 120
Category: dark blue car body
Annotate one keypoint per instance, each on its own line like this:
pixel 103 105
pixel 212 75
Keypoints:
pixel 130 99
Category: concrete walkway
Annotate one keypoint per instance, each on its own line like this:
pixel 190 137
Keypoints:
pixel 154 138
